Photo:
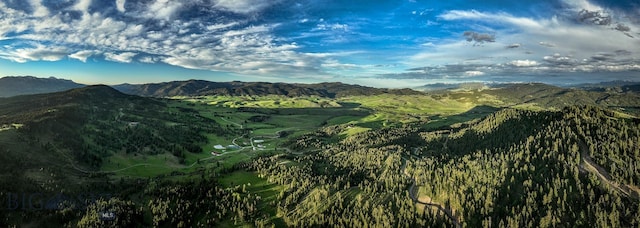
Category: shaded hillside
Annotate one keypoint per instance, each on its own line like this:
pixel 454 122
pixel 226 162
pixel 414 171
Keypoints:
pixel 90 123
pixel 338 89
pixel 13 86
pixel 235 88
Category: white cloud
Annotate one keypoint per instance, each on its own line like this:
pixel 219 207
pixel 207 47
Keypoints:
pixel 335 64
pixel 151 31
pixel 338 26
pixel 38 53
pixel 558 59
pixel 120 5
pixel 243 6
pixel 473 73
pixel 124 57
pixel 493 17
pixel 225 45
pixel 83 55
pixel 39 10
pixel 148 59
pixel 523 63
pixel 163 9
pixel 249 30
pixel 582 4
pixel 333 27
pixel 553 44
pixel 546 44
pixel 82 5
pixel 221 26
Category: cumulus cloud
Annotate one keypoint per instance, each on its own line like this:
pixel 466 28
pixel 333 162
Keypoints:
pixel 124 57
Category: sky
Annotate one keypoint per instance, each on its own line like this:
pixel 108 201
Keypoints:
pixel 399 43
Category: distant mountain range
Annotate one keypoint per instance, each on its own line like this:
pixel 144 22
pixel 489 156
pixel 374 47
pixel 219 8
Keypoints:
pixel 236 88
pixel 552 96
pixel 612 86
pixel 450 86
pixel 609 93
pixel 13 86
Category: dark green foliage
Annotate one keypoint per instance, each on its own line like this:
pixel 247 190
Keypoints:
pixel 199 204
pixel 93 122
pixel 512 168
pixel 99 214
pixel 259 118
pixel 611 142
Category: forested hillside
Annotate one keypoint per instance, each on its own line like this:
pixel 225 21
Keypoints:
pixel 513 168
pixel 92 122
pixel 57 143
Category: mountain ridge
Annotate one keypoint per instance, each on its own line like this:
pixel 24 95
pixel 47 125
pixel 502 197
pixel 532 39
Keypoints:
pixel 24 85
pixel 236 88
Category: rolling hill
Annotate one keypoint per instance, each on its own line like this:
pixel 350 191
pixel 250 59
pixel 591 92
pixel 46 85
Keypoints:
pixel 73 131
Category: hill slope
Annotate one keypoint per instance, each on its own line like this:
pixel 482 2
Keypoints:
pixel 13 86
pixel 74 130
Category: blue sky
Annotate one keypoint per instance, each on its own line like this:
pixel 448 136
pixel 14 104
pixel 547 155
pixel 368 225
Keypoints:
pixel 401 43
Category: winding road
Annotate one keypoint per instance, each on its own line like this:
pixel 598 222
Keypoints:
pixel 413 194
pixel 588 165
